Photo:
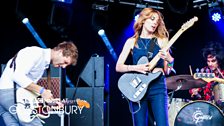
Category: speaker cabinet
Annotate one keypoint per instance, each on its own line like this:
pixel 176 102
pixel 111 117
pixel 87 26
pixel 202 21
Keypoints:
pixel 56 89
pixel 55 85
pixel 53 120
pixel 93 116
pixel 93 72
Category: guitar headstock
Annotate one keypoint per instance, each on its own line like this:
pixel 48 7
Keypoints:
pixel 82 103
pixel 189 23
pixel 204 76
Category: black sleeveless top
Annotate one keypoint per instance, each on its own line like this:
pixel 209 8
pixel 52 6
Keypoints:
pixel 143 50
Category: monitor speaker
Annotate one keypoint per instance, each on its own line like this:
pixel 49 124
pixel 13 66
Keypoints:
pixel 93 116
pixel 93 72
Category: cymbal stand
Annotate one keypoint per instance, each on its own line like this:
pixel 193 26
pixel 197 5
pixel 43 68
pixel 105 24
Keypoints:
pixel 180 84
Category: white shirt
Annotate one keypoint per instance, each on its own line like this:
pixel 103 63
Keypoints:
pixel 31 63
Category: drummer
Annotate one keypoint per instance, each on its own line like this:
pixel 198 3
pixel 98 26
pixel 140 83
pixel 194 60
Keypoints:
pixel 213 53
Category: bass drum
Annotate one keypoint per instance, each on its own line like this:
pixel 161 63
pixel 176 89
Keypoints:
pixel 199 113
pixel 174 108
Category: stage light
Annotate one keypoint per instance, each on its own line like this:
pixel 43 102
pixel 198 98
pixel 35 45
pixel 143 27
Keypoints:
pixel 101 7
pixel 101 32
pixel 156 4
pixel 106 41
pixel 216 17
pixel 136 13
pixel 136 17
pixel 25 20
pixel 63 1
pixel 33 31
pixel 199 3
pixel 215 14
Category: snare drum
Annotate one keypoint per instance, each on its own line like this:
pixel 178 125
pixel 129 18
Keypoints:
pixel 199 113
pixel 174 108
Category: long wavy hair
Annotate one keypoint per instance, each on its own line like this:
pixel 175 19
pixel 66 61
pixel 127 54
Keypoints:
pixel 160 32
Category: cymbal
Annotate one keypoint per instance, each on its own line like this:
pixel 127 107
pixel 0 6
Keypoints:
pixel 184 82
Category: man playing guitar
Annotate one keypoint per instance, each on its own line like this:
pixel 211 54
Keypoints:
pixel 25 69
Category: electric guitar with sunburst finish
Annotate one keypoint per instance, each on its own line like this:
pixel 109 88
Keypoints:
pixel 208 77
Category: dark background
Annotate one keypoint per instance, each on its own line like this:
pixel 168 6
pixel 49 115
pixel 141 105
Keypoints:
pixel 80 23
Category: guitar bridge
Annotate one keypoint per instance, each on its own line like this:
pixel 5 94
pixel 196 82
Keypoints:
pixel 135 82
pixel 139 91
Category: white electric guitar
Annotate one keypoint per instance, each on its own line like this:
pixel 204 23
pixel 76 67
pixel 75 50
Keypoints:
pixel 30 105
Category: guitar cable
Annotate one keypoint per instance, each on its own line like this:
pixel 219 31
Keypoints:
pixel 77 83
pixel 132 113
pixel 76 87
pixel 130 108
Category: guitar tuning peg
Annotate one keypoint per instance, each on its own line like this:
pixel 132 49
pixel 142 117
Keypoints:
pixel 207 70
pixel 212 75
pixel 202 70
pixel 197 70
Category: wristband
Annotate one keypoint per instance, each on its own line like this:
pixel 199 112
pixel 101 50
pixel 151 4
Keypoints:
pixel 42 90
pixel 170 64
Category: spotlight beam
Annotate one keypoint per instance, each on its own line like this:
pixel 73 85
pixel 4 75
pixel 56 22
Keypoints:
pixel 34 33
pixel 107 43
pixel 39 40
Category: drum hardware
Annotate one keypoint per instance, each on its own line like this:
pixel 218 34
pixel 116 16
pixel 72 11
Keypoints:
pixel 172 92
pixel 174 108
pixel 184 82
pixel 218 91
pixel 175 104
pixel 180 83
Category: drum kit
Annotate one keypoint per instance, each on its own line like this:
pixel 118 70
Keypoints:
pixel 184 112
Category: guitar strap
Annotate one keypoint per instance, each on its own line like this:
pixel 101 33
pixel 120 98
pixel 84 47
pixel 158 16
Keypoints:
pixel 49 77
pixel 151 47
pixel 152 44
pixel 13 64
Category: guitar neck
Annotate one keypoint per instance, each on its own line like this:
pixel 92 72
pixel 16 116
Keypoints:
pixel 154 61
pixel 184 27
pixel 216 79
pixel 173 39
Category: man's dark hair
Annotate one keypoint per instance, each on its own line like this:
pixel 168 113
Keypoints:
pixel 215 49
